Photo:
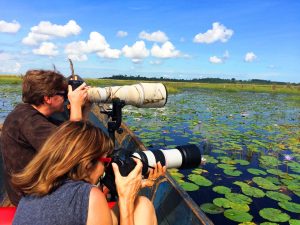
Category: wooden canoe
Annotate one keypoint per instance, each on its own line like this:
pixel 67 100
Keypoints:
pixel 173 205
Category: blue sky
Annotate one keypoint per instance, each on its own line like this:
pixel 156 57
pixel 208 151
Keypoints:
pixel 186 39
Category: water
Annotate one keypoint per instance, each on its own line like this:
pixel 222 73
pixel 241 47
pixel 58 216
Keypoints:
pixel 240 130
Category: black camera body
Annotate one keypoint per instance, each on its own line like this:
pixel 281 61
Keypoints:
pixel 182 157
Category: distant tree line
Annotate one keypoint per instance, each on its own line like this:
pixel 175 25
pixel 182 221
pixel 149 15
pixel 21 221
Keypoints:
pixel 200 80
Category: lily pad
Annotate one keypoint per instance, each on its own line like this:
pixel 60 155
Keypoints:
pixel 187 186
pixel 256 171
pixel 222 202
pixel 253 192
pixel 294 222
pixel 277 196
pixel 221 189
pixel 268 223
pixel 239 206
pixel 234 173
pixel 242 162
pixel 237 216
pixel 238 198
pixel 200 180
pixel 264 183
pixel 211 208
pixel 290 206
pixel 274 215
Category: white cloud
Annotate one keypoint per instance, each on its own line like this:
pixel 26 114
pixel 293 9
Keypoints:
pixel 46 31
pixel 122 33
pixel 137 52
pixel 47 49
pixel 78 51
pixel 215 60
pixel 157 36
pixel 35 39
pixel 7 27
pixel 167 50
pixel 110 53
pixel 250 57
pixel 218 33
pixel 8 63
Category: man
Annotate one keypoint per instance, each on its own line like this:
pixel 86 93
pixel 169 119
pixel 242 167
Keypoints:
pixel 28 125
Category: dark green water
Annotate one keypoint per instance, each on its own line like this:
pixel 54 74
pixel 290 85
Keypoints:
pixel 251 142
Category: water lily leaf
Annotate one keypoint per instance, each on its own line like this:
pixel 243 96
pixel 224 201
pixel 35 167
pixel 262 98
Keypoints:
pixel 274 215
pixel 222 202
pixel 199 171
pixel 264 183
pixel 290 206
pixel 268 223
pixel 239 206
pixel 187 186
pixel 210 159
pixel 253 192
pixel 267 160
pixel 237 216
pixel 234 173
pixel 238 198
pixel 211 208
pixel 277 196
pixel 294 222
pixel 200 180
pixel 256 171
pixel 241 184
pixel 242 162
pixel 275 172
pixel 247 223
pixel 221 189
pixel 226 166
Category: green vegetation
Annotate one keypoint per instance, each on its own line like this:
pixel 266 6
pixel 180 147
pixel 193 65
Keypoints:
pixel 176 87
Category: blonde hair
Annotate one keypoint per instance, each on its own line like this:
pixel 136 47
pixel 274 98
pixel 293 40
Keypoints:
pixel 69 153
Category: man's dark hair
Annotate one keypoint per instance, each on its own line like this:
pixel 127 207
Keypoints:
pixel 40 83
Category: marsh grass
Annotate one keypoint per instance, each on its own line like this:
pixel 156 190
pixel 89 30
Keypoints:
pixel 176 87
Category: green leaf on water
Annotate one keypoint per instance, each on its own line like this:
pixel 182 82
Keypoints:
pixel 267 160
pixel 290 206
pixel 239 206
pixel 274 215
pixel 234 173
pixel 200 180
pixel 242 162
pixel 211 208
pixel 187 186
pixel 277 196
pixel 221 189
pixel 238 198
pixel 268 223
pixel 222 202
pixel 237 216
pixel 256 171
pixel 253 192
pixel 294 222
pixel 226 166
pixel 264 183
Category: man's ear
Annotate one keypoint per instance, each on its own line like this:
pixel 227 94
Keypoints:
pixel 47 100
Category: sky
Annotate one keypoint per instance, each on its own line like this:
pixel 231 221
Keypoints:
pixel 184 39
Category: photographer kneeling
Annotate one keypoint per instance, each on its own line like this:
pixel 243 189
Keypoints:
pixel 59 183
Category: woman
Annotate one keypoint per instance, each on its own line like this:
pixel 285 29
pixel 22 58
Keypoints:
pixel 59 183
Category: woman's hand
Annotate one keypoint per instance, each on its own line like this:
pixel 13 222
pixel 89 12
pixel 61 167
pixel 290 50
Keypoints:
pixel 154 174
pixel 129 186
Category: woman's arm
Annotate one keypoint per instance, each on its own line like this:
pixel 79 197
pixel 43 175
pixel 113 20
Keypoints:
pixel 98 213
pixel 128 188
